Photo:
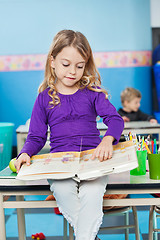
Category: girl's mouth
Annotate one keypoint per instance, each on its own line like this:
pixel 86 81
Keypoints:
pixel 70 78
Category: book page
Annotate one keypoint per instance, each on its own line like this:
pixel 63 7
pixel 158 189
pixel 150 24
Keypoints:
pixel 124 158
pixel 52 166
pixel 72 164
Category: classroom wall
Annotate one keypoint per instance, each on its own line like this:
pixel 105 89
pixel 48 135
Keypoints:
pixel 119 33
pixel 155 16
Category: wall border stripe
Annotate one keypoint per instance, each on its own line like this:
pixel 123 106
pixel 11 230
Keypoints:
pixel 122 59
pixel 36 62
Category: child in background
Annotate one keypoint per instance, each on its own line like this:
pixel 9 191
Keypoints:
pixel 70 98
pixel 130 99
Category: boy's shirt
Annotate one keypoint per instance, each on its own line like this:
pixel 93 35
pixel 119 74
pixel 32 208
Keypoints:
pixel 135 116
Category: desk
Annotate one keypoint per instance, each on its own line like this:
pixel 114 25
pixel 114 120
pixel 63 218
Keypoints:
pixel 140 127
pixel 117 184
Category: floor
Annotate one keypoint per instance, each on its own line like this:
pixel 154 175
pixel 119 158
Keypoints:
pixel 51 224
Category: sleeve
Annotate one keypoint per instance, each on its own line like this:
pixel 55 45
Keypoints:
pixel 120 111
pixel 37 134
pixel 144 117
pixel 110 116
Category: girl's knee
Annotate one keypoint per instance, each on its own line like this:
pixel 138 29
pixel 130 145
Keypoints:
pixel 63 186
pixel 94 187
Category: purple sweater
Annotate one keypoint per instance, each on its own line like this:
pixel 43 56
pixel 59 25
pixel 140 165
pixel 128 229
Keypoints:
pixel 72 122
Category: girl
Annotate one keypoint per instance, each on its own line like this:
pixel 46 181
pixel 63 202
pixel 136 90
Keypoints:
pixel 70 98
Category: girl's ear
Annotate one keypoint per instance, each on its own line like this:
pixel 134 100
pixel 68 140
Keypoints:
pixel 52 62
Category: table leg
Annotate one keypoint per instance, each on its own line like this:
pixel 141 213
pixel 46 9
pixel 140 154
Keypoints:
pixel 151 213
pixel 21 220
pixel 71 232
pixel 2 220
pixel 64 229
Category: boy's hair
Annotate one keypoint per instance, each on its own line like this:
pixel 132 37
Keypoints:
pixel 129 93
pixel 91 77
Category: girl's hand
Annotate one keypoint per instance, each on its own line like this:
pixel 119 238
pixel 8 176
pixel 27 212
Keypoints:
pixel 104 150
pixel 23 158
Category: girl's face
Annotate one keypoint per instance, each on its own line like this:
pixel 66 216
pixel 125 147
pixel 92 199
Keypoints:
pixel 69 67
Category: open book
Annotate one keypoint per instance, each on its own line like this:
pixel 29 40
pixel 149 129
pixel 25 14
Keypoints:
pixel 79 165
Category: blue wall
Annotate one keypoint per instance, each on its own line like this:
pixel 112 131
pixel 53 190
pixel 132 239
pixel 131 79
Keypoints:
pixel 110 25
pixel 18 93
pixel 120 78
pixel 28 27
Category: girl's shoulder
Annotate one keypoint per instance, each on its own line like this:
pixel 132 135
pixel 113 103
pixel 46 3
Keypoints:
pixel 43 97
pixel 94 94
pixel 44 94
pixel 90 91
pixel 95 97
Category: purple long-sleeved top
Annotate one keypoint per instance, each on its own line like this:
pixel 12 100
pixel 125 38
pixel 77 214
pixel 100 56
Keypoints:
pixel 72 122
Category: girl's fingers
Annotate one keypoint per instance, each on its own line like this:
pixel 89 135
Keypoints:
pixel 109 154
pixel 94 155
pixel 28 162
pixel 102 154
pixel 17 165
pixel 106 155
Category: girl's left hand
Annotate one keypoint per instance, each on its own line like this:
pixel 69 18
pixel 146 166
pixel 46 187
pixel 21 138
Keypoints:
pixel 105 149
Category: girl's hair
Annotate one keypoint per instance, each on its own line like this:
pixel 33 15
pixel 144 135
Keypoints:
pixel 129 93
pixel 91 77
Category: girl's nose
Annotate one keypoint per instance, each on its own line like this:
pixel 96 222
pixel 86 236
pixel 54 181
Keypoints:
pixel 72 69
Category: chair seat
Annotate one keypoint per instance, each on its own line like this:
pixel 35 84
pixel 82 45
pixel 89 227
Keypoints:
pixel 113 196
pixel 50 198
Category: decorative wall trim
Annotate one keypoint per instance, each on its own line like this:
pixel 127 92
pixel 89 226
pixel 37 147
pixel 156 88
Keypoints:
pixel 36 62
pixel 122 59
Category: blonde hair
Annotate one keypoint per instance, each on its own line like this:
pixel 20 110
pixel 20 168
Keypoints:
pixel 91 77
pixel 129 94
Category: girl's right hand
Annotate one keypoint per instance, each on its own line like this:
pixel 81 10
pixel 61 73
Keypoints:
pixel 23 158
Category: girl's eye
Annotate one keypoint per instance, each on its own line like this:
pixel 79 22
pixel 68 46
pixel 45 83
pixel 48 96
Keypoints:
pixel 79 66
pixel 65 65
